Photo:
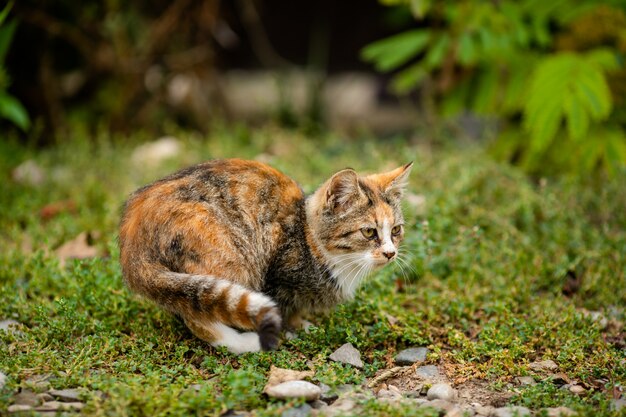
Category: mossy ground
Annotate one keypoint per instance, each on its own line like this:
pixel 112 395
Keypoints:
pixel 497 272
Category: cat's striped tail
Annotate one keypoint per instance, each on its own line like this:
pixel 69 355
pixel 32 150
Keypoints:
pixel 213 307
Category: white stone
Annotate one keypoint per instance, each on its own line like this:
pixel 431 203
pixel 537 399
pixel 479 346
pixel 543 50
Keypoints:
pixel 295 389
pixel 9 325
pixel 560 412
pixel 441 392
pixel 576 389
pixel 154 153
pixel 29 172
pixel 16 408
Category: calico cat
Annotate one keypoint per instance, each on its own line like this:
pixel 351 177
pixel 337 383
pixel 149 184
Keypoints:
pixel 233 245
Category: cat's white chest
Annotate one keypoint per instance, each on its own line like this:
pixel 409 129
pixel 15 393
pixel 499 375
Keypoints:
pixel 349 271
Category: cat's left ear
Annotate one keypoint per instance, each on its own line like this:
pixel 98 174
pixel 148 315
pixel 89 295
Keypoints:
pixel 393 183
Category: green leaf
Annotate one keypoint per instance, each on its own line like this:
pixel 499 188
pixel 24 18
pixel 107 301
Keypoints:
pixel 407 79
pixel 603 58
pixel 392 52
pixel 6 35
pixel 542 35
pixel 615 151
pixel 456 101
pixel 12 110
pixel 565 85
pixel 592 87
pixel 515 88
pixel 419 8
pixel 576 116
pixel 5 12
pixel 545 126
pixel 467 49
pixel 486 91
pixel 437 52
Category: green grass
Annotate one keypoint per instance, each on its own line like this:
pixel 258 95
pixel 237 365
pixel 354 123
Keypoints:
pixel 487 260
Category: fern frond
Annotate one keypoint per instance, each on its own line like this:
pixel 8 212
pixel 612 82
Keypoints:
pixel 390 53
pixel 570 87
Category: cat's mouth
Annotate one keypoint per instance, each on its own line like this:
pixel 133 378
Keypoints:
pixel 380 262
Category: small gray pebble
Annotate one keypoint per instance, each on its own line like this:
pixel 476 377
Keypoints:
pixel 303 411
pixel 419 401
pixel 45 397
pixel 343 404
pixel 66 395
pixel 460 412
pixel 526 380
pixel 411 355
pixel 347 354
pixel 318 404
pixel 441 405
pixel 512 411
pixel 618 405
pixel 328 394
pixel 385 394
pixel 485 410
pixel 547 365
pixel 441 392
pixel 27 397
pixel 427 371
pixel 60 406
pixel 560 412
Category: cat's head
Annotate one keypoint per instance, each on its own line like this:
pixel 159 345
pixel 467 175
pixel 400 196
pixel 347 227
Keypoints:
pixel 357 221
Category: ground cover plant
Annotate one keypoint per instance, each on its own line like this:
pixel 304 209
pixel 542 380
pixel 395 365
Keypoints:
pixel 499 271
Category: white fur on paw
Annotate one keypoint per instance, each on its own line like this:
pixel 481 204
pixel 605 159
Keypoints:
pixel 236 342
pixel 290 335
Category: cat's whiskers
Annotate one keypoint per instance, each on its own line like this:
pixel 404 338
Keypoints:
pixel 406 268
pixel 354 263
pixel 356 277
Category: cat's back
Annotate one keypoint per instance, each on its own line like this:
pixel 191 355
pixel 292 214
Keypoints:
pixel 222 214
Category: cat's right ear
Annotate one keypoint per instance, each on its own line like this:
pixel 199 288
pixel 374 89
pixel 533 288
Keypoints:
pixel 343 189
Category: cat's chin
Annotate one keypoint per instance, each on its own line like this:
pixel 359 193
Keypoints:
pixel 379 263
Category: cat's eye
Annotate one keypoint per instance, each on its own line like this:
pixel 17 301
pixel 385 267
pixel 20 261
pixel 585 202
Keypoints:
pixel 396 230
pixel 368 232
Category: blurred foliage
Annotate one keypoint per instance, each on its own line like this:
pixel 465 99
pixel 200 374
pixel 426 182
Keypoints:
pixel 555 69
pixel 10 108
pixel 120 58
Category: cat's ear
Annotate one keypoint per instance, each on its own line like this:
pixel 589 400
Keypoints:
pixel 343 189
pixel 393 183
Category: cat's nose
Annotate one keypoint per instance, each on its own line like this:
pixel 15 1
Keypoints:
pixel 389 255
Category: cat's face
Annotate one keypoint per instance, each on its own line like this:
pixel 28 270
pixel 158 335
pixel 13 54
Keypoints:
pixel 359 222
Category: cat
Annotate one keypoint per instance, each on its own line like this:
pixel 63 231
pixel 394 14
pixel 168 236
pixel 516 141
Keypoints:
pixel 230 245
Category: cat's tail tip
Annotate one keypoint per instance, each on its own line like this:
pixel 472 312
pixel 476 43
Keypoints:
pixel 269 330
